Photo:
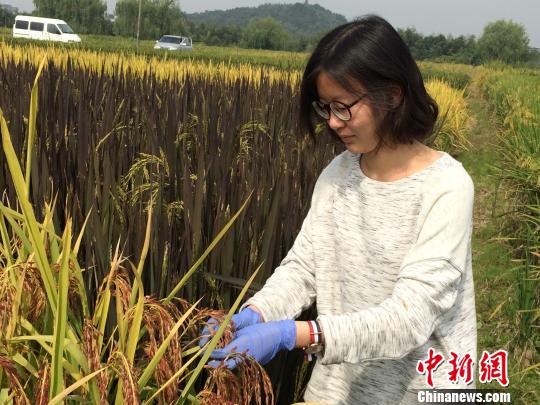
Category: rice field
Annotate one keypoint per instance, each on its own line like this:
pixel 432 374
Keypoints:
pixel 136 184
pixel 457 76
pixel 514 99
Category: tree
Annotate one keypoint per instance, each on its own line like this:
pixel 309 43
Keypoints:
pixel 84 16
pixel 7 18
pixel 297 19
pixel 506 41
pixel 265 33
pixel 414 41
pixel 158 17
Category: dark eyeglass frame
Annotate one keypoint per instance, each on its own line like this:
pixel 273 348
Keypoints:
pixel 324 109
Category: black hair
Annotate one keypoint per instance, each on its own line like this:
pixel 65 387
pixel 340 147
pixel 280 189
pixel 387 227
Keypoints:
pixel 370 52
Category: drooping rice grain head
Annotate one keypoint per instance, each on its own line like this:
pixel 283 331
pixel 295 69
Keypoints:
pixel 90 348
pixel 33 297
pixel 159 318
pixel 73 294
pixel 41 395
pixel 19 396
pixel 255 382
pixel 126 374
pixel 7 294
pixel 218 315
pixel 122 287
pixel 34 294
pixel 247 384
pixel 117 278
pixel 211 398
pixel 224 384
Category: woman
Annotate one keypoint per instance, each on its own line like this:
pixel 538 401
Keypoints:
pixel 385 249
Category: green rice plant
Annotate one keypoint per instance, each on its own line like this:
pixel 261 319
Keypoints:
pixel 514 97
pixel 455 75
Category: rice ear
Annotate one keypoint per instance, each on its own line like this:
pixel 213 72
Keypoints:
pixel 43 386
pixel 129 393
pixel 19 396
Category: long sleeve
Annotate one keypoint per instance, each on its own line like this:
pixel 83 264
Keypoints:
pixel 425 289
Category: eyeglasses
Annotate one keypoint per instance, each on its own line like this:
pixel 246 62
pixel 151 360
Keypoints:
pixel 340 110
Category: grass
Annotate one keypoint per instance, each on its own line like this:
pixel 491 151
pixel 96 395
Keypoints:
pixel 495 285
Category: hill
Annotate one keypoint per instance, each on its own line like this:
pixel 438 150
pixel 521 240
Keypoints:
pixel 298 19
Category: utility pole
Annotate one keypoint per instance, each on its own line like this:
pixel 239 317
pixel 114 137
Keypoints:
pixel 139 23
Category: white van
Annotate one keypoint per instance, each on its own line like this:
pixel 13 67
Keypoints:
pixel 48 29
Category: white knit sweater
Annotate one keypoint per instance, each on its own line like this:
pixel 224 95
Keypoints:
pixel 389 265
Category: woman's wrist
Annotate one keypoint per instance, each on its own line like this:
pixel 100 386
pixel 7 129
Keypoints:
pixel 305 333
pixel 254 308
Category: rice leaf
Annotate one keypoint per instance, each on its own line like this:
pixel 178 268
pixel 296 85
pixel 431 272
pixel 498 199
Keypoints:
pixel 144 252
pixel 81 382
pixel 32 116
pixel 30 219
pixel 48 232
pixel 19 359
pixel 57 370
pixel 138 287
pixel 5 241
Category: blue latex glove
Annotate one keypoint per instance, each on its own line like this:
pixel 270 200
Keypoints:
pixel 244 318
pixel 261 341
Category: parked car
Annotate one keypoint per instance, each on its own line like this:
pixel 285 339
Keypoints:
pixel 49 29
pixel 174 43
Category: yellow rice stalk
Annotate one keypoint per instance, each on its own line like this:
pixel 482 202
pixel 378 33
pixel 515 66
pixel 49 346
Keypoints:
pixel 453 121
pixel 163 70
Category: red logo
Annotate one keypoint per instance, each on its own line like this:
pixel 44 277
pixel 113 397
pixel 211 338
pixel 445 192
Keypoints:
pixel 462 368
pixel 428 366
pixel 494 367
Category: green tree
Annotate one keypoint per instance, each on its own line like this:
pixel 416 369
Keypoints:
pixel 506 41
pixel 440 48
pixel 85 16
pixel 219 35
pixel 265 33
pixel 158 17
pixel 297 19
pixel 7 19
pixel 414 41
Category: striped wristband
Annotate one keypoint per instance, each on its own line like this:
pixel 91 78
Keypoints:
pixel 315 340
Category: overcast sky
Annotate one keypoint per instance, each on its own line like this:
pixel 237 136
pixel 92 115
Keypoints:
pixel 456 17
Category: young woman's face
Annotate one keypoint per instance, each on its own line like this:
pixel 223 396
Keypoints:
pixel 359 133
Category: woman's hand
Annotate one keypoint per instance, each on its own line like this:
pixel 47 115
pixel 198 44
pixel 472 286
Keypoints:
pixel 241 320
pixel 261 341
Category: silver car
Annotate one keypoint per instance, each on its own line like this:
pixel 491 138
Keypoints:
pixel 174 43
